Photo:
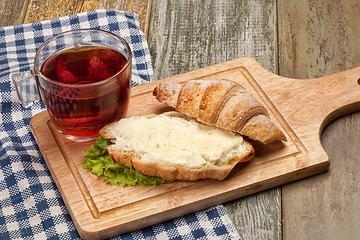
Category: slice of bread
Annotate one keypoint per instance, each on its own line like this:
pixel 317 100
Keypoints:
pixel 174 146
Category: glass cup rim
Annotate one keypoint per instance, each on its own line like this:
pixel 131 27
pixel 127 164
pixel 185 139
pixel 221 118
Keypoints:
pixel 37 70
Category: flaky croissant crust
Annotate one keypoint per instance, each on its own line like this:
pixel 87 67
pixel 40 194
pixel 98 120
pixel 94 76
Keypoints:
pixel 223 103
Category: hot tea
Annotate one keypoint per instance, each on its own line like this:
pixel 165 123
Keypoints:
pixel 80 111
pixel 83 65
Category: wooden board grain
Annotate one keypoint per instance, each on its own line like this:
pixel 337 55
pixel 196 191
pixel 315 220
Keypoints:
pixel 101 210
pixel 221 30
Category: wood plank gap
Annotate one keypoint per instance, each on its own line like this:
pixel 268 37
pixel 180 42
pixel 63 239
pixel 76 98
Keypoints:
pixel 25 14
pixel 147 20
pixel 277 46
pixel 24 11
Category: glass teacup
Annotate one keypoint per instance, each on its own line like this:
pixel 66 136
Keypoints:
pixel 83 77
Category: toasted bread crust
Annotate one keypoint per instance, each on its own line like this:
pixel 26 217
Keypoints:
pixel 178 172
pixel 219 170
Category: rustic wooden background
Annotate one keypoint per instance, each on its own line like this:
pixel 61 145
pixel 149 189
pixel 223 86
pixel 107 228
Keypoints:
pixel 293 38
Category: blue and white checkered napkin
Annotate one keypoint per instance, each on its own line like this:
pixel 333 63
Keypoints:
pixel 30 204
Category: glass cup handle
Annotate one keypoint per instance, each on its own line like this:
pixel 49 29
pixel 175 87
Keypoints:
pixel 26 88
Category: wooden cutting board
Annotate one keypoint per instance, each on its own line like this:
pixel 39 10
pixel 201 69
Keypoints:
pixel 300 108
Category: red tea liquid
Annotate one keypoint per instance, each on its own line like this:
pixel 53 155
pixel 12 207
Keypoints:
pixel 79 110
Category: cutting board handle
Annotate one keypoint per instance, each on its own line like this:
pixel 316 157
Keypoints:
pixel 306 102
pixel 338 94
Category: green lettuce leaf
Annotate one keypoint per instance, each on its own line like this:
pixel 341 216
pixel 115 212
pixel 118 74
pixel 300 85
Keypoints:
pixel 97 160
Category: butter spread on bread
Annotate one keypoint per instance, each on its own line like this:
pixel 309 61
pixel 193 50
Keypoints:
pixel 174 146
pixel 223 103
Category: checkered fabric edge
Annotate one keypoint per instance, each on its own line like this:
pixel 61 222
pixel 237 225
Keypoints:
pixel 19 43
pixel 30 204
pixel 212 223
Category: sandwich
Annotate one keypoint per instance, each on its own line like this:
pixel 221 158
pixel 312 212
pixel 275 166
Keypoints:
pixel 173 146
pixel 203 138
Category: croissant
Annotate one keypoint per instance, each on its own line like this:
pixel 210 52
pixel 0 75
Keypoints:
pixel 222 103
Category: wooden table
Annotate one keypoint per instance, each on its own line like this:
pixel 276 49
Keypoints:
pixel 295 38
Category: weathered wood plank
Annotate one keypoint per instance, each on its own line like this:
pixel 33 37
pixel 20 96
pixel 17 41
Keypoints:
pixel 327 206
pixel 187 35
pixel 317 38
pixel 219 31
pixel 11 12
pixel 39 10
